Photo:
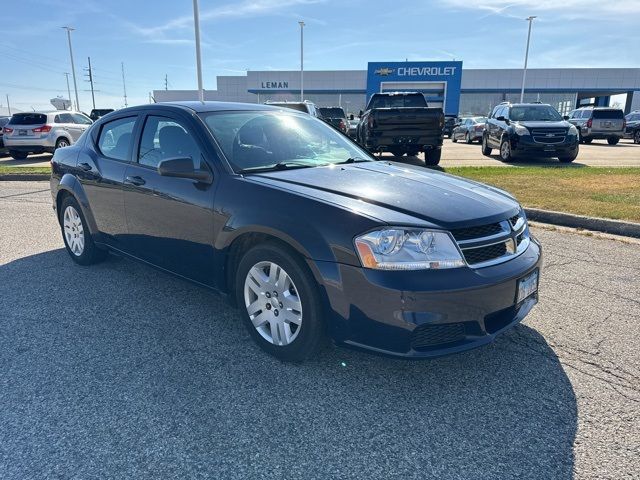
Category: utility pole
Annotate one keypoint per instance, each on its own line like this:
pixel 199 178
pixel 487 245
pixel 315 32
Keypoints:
pixel 301 60
pixel 68 89
pixel 526 58
pixel 90 75
pixel 8 105
pixel 166 81
pixel 124 86
pixel 73 68
pixel 196 24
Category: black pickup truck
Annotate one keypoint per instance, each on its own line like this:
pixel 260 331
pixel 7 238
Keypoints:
pixel 402 122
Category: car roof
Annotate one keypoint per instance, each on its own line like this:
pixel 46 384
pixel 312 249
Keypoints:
pixel 205 106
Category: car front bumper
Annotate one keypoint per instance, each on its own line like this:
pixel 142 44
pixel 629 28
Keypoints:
pixel 425 314
pixel 526 146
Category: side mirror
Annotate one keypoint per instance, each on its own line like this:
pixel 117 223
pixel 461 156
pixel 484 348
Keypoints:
pixel 566 117
pixel 501 118
pixel 183 168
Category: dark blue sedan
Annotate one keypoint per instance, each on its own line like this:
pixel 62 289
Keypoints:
pixel 309 235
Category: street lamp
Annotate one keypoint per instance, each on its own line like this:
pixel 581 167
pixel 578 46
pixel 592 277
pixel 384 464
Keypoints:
pixel 526 58
pixel 73 68
pixel 196 22
pixel 301 60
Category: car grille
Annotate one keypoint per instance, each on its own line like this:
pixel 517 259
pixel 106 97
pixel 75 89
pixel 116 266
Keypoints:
pixel 548 135
pixel 493 243
pixel 426 336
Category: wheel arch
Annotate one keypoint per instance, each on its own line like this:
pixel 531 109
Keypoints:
pixel 70 186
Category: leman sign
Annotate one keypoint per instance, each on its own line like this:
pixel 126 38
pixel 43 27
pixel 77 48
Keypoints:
pixel 273 85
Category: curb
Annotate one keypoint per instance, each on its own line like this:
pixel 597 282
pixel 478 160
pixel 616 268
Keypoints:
pixel 615 227
pixel 24 177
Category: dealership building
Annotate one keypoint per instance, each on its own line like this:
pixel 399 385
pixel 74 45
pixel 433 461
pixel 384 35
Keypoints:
pixel 458 91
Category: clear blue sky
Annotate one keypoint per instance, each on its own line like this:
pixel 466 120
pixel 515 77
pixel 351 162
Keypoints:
pixel 156 38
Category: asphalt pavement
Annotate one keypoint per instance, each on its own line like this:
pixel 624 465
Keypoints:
pixel 120 371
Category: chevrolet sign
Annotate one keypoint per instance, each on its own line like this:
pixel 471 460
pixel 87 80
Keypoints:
pixel 384 71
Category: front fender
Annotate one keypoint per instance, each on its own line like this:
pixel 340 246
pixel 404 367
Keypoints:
pixel 70 184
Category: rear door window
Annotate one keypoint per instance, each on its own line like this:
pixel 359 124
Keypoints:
pixel 164 138
pixel 28 119
pixel 63 118
pixel 116 138
pixel 80 119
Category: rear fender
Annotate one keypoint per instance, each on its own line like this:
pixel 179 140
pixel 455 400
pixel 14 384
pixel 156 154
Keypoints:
pixel 70 184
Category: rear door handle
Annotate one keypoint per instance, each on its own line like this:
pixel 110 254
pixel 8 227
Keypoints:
pixel 85 166
pixel 135 180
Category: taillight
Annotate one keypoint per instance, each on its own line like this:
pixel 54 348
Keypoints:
pixel 7 130
pixel 589 123
pixel 42 129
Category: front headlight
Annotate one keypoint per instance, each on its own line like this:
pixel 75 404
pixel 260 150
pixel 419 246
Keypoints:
pixel 398 248
pixel 573 130
pixel 520 130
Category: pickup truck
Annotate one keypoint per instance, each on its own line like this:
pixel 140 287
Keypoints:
pixel 402 123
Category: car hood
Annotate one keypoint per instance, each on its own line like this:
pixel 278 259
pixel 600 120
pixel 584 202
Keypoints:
pixel 560 124
pixel 390 189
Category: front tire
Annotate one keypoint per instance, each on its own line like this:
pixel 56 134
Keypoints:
pixel 613 140
pixel 636 137
pixel 16 155
pixel 280 303
pixel 467 138
pixel 76 235
pixel 505 150
pixel 569 158
pixel 486 151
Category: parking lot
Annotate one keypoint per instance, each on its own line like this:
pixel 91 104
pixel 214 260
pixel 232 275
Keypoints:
pixel 598 154
pixel 120 371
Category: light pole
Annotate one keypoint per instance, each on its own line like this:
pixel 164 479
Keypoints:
pixel 526 58
pixel 66 75
pixel 301 60
pixel 73 68
pixel 196 24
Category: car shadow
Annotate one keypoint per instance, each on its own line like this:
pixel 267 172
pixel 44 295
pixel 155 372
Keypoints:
pixel 538 162
pixel 118 370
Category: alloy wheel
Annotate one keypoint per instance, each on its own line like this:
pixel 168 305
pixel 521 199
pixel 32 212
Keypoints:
pixel 273 303
pixel 505 150
pixel 62 144
pixel 73 230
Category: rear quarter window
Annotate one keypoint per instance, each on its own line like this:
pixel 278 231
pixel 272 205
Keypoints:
pixel 116 137
pixel 28 119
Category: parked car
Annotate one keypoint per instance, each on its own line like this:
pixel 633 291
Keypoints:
pixel 38 132
pixel 3 122
pixel 529 130
pixel 469 129
pixel 306 107
pixel 632 129
pixel 599 123
pixel 449 124
pixel 96 113
pixel 402 123
pixel 353 126
pixel 335 116
pixel 370 254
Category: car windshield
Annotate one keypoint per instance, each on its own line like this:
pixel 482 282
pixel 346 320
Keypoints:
pixel 397 101
pixel 615 114
pixel 257 140
pixel 532 113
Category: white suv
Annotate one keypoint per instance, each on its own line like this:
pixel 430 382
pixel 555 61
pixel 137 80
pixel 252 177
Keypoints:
pixel 38 132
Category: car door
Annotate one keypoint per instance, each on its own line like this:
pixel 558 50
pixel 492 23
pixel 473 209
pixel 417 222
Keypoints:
pixel 79 125
pixel 66 126
pixel 170 220
pixel 494 128
pixel 101 166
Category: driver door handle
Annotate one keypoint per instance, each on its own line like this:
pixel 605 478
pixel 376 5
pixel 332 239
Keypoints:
pixel 85 166
pixel 135 180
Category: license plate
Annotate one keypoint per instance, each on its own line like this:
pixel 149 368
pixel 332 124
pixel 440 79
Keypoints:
pixel 608 124
pixel 549 148
pixel 527 286
pixel 22 132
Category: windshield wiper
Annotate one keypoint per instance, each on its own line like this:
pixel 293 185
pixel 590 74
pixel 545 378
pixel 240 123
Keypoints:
pixel 280 166
pixel 354 160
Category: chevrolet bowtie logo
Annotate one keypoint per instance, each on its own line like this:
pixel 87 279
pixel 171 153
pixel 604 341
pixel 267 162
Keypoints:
pixel 384 71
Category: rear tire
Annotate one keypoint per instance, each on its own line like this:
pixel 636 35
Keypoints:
pixel 613 140
pixel 396 152
pixel 432 157
pixel 486 151
pixel 454 139
pixel 16 155
pixel 289 341
pixel 76 234
pixel 61 143
pixel 413 153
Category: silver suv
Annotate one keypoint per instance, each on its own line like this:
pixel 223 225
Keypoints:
pixel 38 132
pixel 599 122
